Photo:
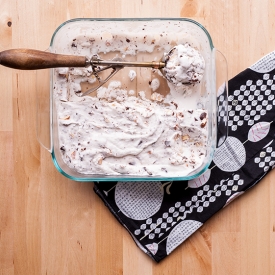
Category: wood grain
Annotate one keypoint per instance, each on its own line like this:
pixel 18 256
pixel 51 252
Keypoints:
pixel 51 225
pixel 30 59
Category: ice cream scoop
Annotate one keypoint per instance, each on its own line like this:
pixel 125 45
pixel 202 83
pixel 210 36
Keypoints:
pixel 182 65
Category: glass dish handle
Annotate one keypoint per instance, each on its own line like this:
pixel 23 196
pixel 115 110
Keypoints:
pixel 43 107
pixel 222 97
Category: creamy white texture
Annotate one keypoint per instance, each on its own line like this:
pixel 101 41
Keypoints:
pixel 122 130
pixel 114 133
pixel 184 65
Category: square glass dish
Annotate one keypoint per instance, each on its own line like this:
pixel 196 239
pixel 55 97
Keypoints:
pixel 137 126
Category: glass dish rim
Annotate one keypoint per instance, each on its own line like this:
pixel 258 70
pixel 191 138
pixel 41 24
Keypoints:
pixel 136 19
pixel 131 178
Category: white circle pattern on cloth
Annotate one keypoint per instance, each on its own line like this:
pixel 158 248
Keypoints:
pixel 138 200
pixel 180 233
pixel 231 155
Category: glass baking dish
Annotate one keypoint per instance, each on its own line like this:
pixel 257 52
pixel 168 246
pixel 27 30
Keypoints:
pixel 98 32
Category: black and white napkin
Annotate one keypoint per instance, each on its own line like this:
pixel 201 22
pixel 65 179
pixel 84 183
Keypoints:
pixel 162 215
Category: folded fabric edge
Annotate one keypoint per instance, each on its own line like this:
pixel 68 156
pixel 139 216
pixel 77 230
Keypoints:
pixel 264 64
pixel 101 195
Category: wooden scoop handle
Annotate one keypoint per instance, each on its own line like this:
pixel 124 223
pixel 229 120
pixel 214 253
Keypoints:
pixel 27 59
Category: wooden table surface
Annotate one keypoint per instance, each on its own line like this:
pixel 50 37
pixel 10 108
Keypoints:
pixel 52 225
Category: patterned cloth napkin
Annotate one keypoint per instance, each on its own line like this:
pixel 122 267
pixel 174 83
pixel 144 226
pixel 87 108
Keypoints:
pixel 162 215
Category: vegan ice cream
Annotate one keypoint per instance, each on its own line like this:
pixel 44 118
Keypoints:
pixel 129 127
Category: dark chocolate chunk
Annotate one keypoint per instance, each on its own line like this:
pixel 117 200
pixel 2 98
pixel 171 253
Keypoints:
pixel 149 173
pixel 164 169
pixel 167 143
pixel 203 116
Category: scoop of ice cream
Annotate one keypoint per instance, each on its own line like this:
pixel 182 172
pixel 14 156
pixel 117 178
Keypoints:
pixel 183 65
